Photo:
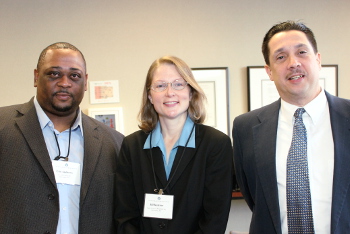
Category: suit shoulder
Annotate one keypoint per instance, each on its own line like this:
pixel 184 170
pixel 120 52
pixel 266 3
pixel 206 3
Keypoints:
pixel 337 100
pixel 91 122
pixel 338 105
pixel 9 114
pixel 211 132
pixel 137 136
pixel 252 115
pixel 10 110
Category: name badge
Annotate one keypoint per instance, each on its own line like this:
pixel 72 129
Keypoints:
pixel 66 172
pixel 158 206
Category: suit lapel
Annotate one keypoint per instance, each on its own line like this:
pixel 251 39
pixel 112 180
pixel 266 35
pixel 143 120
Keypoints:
pixel 181 161
pixel 29 125
pixel 92 150
pixel 264 135
pixel 341 176
pixel 179 164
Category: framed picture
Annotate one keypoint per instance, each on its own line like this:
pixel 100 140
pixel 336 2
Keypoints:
pixel 215 82
pixel 262 91
pixel 112 117
pixel 104 91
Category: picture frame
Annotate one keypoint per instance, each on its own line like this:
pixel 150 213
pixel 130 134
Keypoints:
pixel 215 83
pixel 262 91
pixel 104 91
pixel 112 117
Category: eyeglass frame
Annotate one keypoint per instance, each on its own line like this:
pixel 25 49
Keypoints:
pixel 167 85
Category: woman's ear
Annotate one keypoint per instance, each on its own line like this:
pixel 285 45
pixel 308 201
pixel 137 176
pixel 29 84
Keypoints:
pixel 150 98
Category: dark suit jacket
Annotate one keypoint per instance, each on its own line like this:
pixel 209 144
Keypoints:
pixel 28 191
pixel 202 185
pixel 254 136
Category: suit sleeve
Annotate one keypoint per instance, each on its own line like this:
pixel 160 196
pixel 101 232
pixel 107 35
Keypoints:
pixel 218 186
pixel 238 163
pixel 127 214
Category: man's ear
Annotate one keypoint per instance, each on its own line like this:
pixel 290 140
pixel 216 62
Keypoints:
pixel 268 71
pixel 36 77
pixel 318 58
pixel 86 83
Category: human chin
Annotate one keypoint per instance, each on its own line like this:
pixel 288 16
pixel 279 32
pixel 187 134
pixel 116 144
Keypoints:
pixel 177 114
pixel 62 107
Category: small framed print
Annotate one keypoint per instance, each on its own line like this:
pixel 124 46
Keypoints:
pixel 215 82
pixel 104 91
pixel 112 117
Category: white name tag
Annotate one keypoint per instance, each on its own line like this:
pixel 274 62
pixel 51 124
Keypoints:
pixel 158 206
pixel 66 172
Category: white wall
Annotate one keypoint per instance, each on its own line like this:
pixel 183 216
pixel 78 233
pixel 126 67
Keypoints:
pixel 239 218
pixel 121 38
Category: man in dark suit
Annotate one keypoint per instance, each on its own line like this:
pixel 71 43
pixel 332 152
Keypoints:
pixel 262 139
pixel 57 165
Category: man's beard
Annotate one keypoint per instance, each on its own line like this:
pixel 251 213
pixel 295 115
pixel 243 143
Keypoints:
pixel 64 108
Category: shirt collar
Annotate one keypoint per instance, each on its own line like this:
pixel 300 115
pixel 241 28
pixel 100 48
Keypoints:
pixel 44 120
pixel 157 136
pixel 314 109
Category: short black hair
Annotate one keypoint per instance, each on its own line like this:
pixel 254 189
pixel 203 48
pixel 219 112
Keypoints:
pixel 56 46
pixel 287 26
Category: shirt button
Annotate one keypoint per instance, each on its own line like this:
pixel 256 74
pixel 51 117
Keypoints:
pixel 161 225
pixel 64 208
pixel 51 196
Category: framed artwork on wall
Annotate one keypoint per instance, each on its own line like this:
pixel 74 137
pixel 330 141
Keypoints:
pixel 112 117
pixel 104 91
pixel 215 82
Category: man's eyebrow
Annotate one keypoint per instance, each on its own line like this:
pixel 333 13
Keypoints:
pixel 296 46
pixel 75 69
pixel 56 67
pixel 278 51
pixel 300 45
pixel 61 68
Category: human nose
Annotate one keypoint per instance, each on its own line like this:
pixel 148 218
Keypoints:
pixel 169 89
pixel 294 62
pixel 64 82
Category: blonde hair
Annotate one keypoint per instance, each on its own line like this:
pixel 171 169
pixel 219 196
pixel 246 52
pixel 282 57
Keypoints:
pixel 148 117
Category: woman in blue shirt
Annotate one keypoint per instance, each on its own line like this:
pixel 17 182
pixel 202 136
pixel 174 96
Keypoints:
pixel 175 174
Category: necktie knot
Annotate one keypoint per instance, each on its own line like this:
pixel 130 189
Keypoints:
pixel 299 112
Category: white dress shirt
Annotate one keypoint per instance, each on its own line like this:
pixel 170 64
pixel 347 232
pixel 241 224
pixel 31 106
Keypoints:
pixel 69 195
pixel 320 154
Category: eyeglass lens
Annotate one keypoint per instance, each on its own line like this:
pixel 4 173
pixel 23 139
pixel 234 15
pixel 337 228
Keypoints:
pixel 161 86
